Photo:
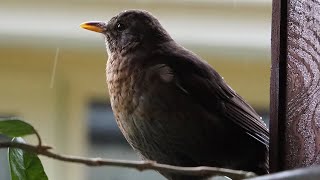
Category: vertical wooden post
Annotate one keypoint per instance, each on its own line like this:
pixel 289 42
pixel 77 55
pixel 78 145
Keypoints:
pixel 278 82
pixel 295 84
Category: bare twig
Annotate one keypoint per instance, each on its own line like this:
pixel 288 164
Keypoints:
pixel 139 165
pixel 40 146
pixel 39 138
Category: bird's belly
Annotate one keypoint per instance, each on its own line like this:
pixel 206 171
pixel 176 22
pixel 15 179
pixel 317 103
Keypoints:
pixel 168 132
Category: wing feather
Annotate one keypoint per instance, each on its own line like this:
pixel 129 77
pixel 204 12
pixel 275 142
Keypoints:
pixel 207 88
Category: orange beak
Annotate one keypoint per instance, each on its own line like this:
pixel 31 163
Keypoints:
pixel 95 26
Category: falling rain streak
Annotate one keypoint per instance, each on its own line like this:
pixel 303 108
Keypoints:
pixel 54 68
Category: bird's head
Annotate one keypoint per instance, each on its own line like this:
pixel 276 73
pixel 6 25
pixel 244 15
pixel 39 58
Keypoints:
pixel 130 29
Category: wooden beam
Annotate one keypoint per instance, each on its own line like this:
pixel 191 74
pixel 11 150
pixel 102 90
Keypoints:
pixel 309 173
pixel 295 84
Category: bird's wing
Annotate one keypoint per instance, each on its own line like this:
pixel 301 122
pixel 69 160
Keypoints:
pixel 207 88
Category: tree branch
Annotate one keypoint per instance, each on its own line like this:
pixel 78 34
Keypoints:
pixel 139 165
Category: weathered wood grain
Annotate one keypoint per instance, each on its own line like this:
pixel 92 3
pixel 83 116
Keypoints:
pixel 302 124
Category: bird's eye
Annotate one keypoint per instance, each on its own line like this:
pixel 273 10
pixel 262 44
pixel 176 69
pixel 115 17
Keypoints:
pixel 120 27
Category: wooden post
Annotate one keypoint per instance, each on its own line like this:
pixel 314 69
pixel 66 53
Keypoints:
pixel 295 84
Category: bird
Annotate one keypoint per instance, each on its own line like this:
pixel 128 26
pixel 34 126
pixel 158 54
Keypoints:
pixel 172 106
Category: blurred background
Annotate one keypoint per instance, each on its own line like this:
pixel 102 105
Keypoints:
pixel 52 72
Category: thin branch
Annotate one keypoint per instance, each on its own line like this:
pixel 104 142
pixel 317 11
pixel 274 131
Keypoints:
pixel 139 165
pixel 39 138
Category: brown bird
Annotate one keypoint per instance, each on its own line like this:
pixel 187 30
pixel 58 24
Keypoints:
pixel 173 107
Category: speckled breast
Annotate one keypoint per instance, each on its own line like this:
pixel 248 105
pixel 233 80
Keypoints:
pixel 124 80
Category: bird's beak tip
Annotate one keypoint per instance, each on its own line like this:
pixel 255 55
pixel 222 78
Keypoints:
pixel 92 26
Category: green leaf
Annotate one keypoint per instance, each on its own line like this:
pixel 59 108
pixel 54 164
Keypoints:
pixel 15 128
pixel 25 165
